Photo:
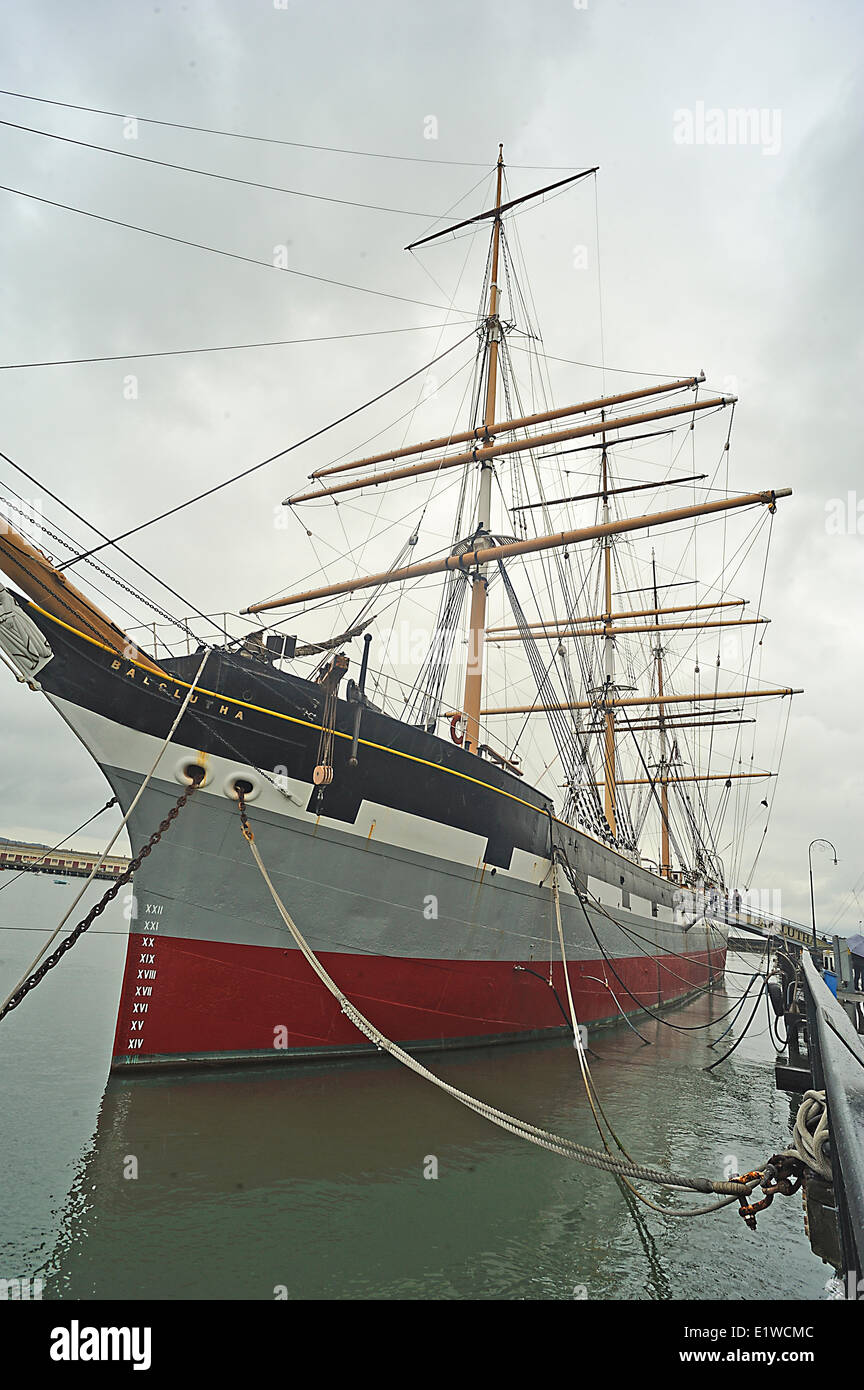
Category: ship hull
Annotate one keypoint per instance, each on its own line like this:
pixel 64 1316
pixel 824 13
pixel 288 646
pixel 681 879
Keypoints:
pixel 422 879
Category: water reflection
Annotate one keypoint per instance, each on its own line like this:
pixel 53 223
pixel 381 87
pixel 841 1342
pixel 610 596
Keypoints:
pixel 311 1179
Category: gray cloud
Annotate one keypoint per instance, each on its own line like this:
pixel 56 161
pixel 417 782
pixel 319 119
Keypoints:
pixel 714 256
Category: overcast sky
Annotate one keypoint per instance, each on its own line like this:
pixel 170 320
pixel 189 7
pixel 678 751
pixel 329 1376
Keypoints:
pixel 742 259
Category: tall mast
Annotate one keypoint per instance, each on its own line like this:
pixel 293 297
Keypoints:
pixel 608 662
pixel 474 670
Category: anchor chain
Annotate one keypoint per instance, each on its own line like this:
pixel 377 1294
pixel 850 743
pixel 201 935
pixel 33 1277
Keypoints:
pixel 68 942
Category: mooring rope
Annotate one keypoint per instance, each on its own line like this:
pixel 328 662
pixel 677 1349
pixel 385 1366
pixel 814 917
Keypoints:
pixel 588 1080
pixel 810 1135
pixel 556 1143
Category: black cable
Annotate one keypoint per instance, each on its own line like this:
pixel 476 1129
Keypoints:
pixel 272 140
pixel 231 255
pixel 741 1002
pixel 636 936
pixel 65 540
pixel 79 517
pixel 222 347
pixel 226 178
pixel 743 1035
pixel 537 976
pixel 255 466
pixel 678 1027
pixel 774 1026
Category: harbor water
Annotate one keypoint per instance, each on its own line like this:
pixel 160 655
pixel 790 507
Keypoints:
pixel 362 1181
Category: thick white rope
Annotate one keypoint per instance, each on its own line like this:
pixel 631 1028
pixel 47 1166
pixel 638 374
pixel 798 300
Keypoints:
pixel 556 1143
pixel 104 855
pixel 811 1135
pixel 588 1081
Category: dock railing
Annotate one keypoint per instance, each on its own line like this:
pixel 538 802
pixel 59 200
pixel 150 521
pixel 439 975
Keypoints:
pixel 836 1057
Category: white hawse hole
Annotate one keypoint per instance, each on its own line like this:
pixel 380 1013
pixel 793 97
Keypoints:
pixel 245 782
pixel 188 771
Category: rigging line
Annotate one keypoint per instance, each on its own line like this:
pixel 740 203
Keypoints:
pixel 22 520
pixel 112 598
pixel 743 1035
pixel 322 567
pixel 846 901
pixel 637 936
pixel 176 621
pixel 546 563
pixel 272 140
pixel 223 347
pixel 753 642
pixel 599 366
pixel 458 233
pixel 652 782
pixel 588 1080
pixel 753 647
pixel 761 846
pixel 422 513
pixel 370 439
pixel 223 178
pixel 59 845
pixel 599 283
pixel 678 1027
pixel 746 545
pixel 652 956
pixel 226 482
pixel 7 1002
pixel 417 403
pixel 220 251
pixel 723 548
pixel 484 178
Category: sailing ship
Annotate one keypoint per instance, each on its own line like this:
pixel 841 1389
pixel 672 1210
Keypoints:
pixel 421 856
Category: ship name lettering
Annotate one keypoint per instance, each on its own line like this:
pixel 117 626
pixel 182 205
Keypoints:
pixel 223 709
pixel 239 714
pixel 131 673
pixel 115 665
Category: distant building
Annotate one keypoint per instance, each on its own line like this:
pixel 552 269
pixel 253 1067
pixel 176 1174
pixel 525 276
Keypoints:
pixel 42 859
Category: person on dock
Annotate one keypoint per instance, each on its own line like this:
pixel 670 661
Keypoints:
pixel 857 972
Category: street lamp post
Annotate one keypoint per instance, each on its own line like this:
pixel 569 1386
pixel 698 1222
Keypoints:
pixel 810 862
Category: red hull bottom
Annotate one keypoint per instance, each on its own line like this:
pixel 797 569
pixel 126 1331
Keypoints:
pixel 201 1001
